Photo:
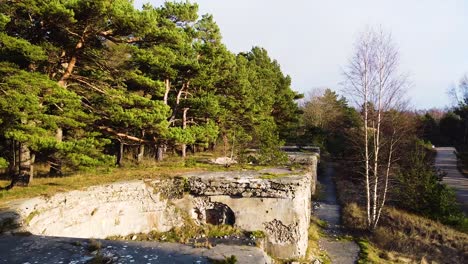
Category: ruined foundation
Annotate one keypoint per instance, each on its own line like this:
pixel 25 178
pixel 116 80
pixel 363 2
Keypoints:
pixel 275 201
pixel 278 206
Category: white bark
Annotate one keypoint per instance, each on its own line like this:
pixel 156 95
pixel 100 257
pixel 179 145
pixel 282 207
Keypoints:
pixel 374 84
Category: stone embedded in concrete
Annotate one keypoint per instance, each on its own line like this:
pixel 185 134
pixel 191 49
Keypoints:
pixel 245 184
pixel 280 233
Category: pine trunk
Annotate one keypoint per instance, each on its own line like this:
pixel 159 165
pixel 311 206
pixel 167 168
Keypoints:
pixel 23 177
pixel 167 85
pixel 55 162
pixel 141 153
pixel 13 167
pixel 159 152
pixel 141 149
pixel 184 126
pixel 225 144
pixel 33 160
pixel 120 154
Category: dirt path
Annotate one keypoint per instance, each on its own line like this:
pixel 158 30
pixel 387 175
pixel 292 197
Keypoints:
pixel 339 250
pixel 446 160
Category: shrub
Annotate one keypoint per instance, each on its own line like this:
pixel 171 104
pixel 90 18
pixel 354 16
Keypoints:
pixel 419 190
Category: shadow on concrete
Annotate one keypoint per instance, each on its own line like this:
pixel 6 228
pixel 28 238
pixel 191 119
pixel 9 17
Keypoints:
pixel 39 249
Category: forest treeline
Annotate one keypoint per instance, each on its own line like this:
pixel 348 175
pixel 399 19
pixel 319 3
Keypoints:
pixel 83 81
pixel 450 127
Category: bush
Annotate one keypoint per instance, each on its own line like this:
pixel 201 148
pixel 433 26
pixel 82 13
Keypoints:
pixel 3 163
pixel 419 190
pixel 190 162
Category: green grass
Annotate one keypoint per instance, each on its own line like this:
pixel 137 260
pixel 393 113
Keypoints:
pixel 94 245
pixel 313 249
pixel 183 234
pixel 257 234
pixel 147 169
pixel 368 253
pixel 269 175
pixel 462 163
pixel 31 216
pixel 221 230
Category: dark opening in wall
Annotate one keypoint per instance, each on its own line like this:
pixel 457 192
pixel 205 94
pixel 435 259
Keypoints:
pixel 220 214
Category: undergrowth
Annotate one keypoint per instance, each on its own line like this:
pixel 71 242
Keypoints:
pixel 186 233
pixel 402 235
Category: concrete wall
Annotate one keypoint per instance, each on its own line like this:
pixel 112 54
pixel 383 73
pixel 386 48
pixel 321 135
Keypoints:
pixel 279 206
pixel 98 212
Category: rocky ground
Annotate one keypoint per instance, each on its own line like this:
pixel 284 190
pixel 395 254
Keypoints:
pixel 339 249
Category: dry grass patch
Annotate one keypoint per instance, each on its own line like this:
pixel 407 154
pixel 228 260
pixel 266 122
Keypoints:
pixel 313 249
pixel 401 234
pixel 48 186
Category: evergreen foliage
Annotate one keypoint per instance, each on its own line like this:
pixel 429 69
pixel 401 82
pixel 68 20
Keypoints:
pixel 419 189
pixel 78 75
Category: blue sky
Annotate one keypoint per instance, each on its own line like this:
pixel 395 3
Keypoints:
pixel 313 40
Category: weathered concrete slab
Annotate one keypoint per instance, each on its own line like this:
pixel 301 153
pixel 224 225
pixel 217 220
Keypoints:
pixel 41 249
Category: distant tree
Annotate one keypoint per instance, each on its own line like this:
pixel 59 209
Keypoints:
pixel 451 127
pixel 429 128
pixel 373 82
pixel 328 119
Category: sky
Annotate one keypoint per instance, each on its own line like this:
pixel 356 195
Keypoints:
pixel 313 40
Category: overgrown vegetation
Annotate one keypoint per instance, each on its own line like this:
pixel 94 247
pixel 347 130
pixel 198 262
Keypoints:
pixel 48 186
pixel 418 189
pixel 403 236
pixel 314 234
pixel 424 220
pixel 188 232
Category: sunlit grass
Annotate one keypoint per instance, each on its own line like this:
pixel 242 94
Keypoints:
pixel 402 235
pixel 47 186
pixel 51 185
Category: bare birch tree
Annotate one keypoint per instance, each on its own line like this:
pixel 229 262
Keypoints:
pixel 373 82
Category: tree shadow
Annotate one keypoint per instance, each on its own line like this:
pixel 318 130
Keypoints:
pixel 24 247
pixel 39 249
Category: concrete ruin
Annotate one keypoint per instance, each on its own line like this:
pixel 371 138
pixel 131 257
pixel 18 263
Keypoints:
pixel 275 201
